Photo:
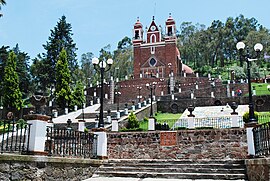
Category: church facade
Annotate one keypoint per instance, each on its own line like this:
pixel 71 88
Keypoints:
pixel 156 54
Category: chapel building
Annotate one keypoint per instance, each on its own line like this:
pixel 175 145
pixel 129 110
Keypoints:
pixel 157 55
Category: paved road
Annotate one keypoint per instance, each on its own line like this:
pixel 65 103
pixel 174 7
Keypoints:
pixel 143 179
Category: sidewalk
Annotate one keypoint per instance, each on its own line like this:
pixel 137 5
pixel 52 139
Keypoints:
pixel 144 179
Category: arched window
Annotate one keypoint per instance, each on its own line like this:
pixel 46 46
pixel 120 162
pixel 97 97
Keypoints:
pixel 153 38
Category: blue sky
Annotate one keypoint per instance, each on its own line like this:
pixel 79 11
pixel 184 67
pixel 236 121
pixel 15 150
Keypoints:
pixel 97 23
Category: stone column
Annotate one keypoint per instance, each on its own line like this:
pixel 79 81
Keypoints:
pixel 191 122
pixel 235 121
pixel 101 143
pixel 115 125
pixel 250 139
pixel 81 125
pixel 37 134
pixel 151 124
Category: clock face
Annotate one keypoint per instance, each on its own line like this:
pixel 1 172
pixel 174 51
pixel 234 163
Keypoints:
pixel 153 28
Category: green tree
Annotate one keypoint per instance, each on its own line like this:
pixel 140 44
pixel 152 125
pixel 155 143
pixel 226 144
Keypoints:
pixel 63 91
pixel 12 99
pixel 23 71
pixel 78 97
pixel 87 67
pixel 61 37
pixel 2 2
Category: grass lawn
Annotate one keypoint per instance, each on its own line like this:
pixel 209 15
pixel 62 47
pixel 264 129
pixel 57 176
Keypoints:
pixel 161 118
pixel 261 89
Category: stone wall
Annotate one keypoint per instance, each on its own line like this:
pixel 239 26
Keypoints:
pixel 184 144
pixel 36 168
pixel 261 103
pixel 258 169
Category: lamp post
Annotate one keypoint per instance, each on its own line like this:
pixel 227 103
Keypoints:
pixel 139 96
pixel 258 48
pixel 151 87
pixel 100 66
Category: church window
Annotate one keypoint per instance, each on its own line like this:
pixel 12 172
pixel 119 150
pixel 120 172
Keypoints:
pixel 152 62
pixel 153 38
pixel 170 31
pixel 137 34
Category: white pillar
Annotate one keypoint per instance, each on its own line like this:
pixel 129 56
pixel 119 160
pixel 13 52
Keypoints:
pixel 98 100
pixel 66 110
pixel 161 93
pixel 197 74
pixel 91 85
pixel 126 77
pixel 95 94
pixel 265 81
pixel 140 75
pixel 151 124
pixel 117 115
pixel 219 77
pixel 75 108
pixel 191 122
pixel 144 102
pixel 196 86
pixel 229 81
pixel 106 96
pixel 115 125
pixel 154 98
pixel 254 92
pixel 126 111
pixel 117 79
pixel 149 99
pixel 209 76
pixel 192 95
pixel 139 105
pixel 133 108
pixel 91 103
pixel 37 135
pixel 109 119
pixel 233 94
pixel 212 95
pixel 81 125
pixel 235 121
pixel 157 75
pixel 101 144
pixel 172 96
pixel 250 141
pixel 185 74
pixel 179 90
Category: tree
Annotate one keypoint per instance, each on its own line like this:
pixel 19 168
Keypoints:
pixel 12 99
pixel 87 67
pixel 61 37
pixel 22 68
pixel 78 97
pixel 2 2
pixel 63 79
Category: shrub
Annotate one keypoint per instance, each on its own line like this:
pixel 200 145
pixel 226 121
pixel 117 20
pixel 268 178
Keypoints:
pixel 246 116
pixel 133 121
pixel 21 123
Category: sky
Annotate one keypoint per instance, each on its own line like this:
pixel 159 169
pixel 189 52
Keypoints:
pixel 97 23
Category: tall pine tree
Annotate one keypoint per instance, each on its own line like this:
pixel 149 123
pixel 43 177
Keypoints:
pixel 63 91
pixel 44 67
pixel 12 99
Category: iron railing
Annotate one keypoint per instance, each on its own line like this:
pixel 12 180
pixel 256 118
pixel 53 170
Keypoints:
pixel 70 143
pixel 261 135
pixel 14 137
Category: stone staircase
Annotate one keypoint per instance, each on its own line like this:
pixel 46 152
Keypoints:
pixel 174 169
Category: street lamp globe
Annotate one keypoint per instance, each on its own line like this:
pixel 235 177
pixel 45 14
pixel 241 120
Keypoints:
pixel 110 61
pixel 240 45
pixel 258 47
pixel 95 60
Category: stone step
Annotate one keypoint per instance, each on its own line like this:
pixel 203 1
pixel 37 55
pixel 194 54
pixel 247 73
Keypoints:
pixel 175 170
pixel 214 176
pixel 150 161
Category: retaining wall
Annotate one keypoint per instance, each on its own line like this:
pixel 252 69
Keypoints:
pixel 36 168
pixel 182 144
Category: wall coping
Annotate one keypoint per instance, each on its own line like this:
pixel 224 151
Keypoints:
pixel 31 158
pixel 258 161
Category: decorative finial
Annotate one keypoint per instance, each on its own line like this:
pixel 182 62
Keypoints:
pixel 153 18
pixel 138 19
